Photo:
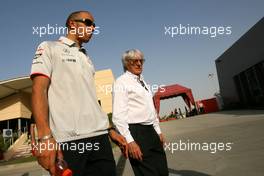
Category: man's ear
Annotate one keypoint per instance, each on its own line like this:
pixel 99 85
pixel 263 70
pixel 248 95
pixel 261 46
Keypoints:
pixel 72 25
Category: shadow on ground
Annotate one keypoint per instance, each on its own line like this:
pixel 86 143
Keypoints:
pixel 186 173
pixel 122 162
pixel 241 112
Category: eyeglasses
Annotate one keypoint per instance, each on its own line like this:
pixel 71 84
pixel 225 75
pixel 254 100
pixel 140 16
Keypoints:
pixel 87 22
pixel 134 61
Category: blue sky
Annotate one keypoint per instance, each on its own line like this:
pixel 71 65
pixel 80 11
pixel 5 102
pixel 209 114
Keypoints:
pixel 126 24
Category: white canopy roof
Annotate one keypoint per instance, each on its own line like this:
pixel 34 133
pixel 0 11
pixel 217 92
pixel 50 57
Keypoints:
pixel 12 86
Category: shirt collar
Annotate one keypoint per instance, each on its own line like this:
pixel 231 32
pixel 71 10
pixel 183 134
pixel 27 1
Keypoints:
pixel 138 78
pixel 67 41
pixel 71 43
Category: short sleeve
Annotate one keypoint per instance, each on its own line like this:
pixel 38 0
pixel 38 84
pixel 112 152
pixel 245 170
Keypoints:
pixel 41 64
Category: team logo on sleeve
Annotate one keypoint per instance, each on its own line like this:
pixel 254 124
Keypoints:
pixel 39 52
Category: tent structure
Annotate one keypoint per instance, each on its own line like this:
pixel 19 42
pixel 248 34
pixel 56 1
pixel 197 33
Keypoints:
pixel 173 91
pixel 13 86
pixel 15 98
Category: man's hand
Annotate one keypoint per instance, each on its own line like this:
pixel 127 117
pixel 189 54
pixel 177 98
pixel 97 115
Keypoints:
pixel 134 151
pixel 162 139
pixel 47 153
pixel 120 141
pixel 46 149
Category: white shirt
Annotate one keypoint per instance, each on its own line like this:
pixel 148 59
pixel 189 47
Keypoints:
pixel 74 111
pixel 132 103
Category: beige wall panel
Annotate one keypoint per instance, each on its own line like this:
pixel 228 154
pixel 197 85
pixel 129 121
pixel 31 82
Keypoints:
pixel 10 107
pixel 103 81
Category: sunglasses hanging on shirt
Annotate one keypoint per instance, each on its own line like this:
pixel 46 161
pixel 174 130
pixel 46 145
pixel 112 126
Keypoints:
pixel 143 84
pixel 82 50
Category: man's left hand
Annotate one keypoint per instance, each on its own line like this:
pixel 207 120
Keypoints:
pixel 120 141
pixel 162 139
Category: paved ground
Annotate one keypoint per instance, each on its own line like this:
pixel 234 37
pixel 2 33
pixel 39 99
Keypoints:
pixel 227 143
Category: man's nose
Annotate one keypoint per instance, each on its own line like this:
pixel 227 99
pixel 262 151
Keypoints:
pixel 138 62
pixel 93 28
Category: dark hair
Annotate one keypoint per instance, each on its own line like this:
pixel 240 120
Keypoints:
pixel 74 15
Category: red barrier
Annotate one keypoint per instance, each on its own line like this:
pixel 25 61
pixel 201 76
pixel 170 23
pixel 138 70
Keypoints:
pixel 208 105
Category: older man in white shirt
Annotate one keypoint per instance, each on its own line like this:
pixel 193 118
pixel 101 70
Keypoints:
pixel 136 119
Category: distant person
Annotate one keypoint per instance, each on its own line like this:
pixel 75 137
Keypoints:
pixel 176 113
pixel 65 105
pixel 201 108
pixel 180 113
pixel 186 112
pixel 136 119
pixel 171 114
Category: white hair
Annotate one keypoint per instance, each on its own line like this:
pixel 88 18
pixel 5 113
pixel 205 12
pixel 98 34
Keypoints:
pixel 131 55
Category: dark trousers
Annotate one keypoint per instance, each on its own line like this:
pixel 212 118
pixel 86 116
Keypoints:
pixel 154 158
pixel 96 162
